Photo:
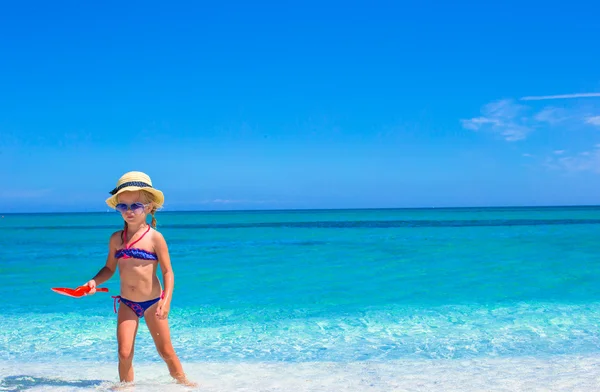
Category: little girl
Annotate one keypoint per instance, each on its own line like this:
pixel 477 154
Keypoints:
pixel 138 250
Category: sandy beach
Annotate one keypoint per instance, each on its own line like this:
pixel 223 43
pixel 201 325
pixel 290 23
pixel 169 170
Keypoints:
pixel 559 373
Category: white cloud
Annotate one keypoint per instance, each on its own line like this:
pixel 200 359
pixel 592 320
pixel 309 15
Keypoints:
pixel 515 132
pixel 514 121
pixel 475 123
pixel 583 161
pixel 551 115
pixel 562 96
pixel 504 117
pixel 595 120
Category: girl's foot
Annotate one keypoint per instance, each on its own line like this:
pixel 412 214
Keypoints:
pixel 182 379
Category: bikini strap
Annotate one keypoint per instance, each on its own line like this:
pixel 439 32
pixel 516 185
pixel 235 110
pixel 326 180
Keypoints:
pixel 117 298
pixel 134 242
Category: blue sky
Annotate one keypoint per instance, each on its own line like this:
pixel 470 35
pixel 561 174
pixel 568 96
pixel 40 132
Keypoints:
pixel 260 105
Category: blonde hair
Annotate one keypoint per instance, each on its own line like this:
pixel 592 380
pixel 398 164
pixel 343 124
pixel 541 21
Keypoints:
pixel 150 198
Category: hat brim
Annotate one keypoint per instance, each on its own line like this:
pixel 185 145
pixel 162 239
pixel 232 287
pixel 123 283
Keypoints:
pixel 159 196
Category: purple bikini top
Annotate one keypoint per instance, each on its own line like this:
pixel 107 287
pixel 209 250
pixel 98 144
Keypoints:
pixel 135 253
pixel 128 252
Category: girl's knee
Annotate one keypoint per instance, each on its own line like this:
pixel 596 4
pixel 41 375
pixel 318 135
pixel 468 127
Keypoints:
pixel 167 353
pixel 125 354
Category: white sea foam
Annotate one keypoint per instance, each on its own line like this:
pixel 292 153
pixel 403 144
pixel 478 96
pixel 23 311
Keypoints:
pixel 557 373
pixel 394 333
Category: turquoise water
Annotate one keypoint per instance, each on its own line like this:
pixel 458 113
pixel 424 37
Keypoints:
pixel 299 287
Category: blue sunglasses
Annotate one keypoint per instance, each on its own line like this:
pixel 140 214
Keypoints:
pixel 136 207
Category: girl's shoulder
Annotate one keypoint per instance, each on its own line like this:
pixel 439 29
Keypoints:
pixel 157 237
pixel 155 233
pixel 116 238
pixel 116 234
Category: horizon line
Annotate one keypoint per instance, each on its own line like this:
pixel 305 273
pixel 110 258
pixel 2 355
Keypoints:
pixel 319 209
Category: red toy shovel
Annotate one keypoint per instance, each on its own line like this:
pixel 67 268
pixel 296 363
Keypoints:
pixel 78 292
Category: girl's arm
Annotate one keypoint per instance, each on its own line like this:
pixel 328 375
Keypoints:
pixel 164 260
pixel 109 268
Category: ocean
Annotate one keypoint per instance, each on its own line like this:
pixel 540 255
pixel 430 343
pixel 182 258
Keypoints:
pixel 465 299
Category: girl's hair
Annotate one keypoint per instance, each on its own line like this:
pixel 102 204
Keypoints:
pixel 148 198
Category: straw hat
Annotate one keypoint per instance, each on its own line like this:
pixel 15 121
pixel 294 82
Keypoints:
pixel 135 181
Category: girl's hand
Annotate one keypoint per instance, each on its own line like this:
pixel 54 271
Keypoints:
pixel 162 310
pixel 92 285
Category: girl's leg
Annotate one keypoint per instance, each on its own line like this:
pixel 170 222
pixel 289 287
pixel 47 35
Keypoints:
pixel 159 329
pixel 127 326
